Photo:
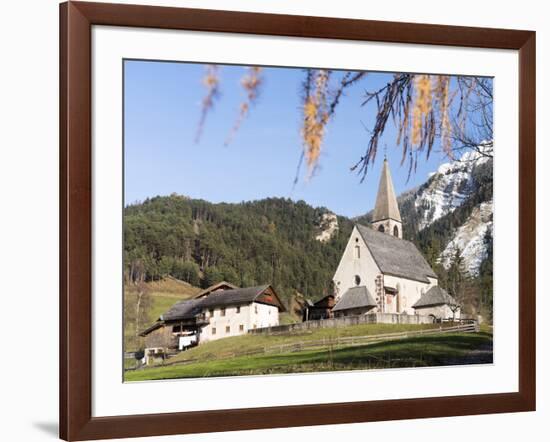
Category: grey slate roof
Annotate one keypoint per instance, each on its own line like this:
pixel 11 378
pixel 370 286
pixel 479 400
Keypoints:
pixel 355 297
pixel 435 296
pixel 233 296
pixel 223 285
pixel 183 310
pixel 188 309
pixel 386 202
pixel 395 256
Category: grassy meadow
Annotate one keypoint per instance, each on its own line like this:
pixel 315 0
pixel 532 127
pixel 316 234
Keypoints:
pixel 220 358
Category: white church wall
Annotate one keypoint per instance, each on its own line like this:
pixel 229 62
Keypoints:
pixel 352 265
pixel 439 311
pixel 409 290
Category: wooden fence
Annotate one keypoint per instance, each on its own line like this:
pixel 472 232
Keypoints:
pixel 339 342
pixel 351 341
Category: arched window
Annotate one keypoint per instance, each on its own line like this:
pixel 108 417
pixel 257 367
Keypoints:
pixel 395 231
pixel 357 252
pixel 381 228
pixel 357 280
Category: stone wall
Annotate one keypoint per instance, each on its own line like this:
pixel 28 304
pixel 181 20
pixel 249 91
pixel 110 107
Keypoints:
pixel 370 318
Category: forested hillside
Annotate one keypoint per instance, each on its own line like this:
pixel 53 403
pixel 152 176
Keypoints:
pixel 251 243
pixel 296 247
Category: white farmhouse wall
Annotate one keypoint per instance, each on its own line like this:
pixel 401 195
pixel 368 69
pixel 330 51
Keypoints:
pixel 237 322
pixel 264 315
pixel 350 266
pixel 409 291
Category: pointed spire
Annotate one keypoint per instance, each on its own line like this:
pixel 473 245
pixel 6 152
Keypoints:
pixel 386 202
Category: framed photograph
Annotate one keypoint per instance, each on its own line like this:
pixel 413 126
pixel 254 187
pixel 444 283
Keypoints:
pixel 273 220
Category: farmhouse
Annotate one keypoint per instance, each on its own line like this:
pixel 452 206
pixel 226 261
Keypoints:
pixel 220 311
pixel 380 272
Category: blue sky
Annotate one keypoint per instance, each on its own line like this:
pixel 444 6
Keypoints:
pixel 162 110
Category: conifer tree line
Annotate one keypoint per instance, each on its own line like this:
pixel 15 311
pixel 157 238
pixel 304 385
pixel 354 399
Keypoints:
pixel 271 241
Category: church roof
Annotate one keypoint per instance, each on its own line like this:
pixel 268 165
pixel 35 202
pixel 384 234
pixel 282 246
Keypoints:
pixel 386 202
pixel 395 256
pixel 355 297
pixel 435 296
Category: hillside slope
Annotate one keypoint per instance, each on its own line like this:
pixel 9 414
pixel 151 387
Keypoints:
pixel 251 243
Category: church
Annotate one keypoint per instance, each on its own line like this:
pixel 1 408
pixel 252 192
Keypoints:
pixel 380 272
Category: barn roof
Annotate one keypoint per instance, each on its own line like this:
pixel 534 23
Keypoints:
pixel 355 297
pixel 435 296
pixel 189 308
pixel 234 296
pixel 223 285
pixel 395 256
pixel 151 328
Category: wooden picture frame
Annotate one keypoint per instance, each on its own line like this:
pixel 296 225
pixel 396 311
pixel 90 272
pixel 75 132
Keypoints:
pixel 76 20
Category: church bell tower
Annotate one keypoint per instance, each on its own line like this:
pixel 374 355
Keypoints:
pixel 386 217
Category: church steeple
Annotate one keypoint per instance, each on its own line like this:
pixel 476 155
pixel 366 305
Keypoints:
pixel 386 217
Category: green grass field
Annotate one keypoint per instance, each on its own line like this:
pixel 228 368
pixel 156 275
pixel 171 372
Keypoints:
pixel 215 358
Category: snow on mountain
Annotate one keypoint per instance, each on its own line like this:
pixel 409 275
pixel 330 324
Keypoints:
pixel 328 226
pixel 469 239
pixel 451 186
pixel 447 188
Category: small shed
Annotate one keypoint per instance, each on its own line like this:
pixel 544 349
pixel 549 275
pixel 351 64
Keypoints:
pixel 356 301
pixel 438 303
pixel 322 309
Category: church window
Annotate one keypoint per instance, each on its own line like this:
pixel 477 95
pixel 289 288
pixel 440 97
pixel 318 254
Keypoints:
pixel 357 280
pixel 357 252
pixel 381 228
pixel 395 231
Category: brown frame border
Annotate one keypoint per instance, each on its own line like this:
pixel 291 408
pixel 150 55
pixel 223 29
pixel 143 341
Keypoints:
pixel 76 421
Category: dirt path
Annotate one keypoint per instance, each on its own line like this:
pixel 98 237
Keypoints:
pixel 482 355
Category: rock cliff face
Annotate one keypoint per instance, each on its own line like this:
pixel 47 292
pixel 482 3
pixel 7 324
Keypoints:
pixel 456 185
pixel 451 210
pixel 328 226
pixel 470 239
pixel 447 188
